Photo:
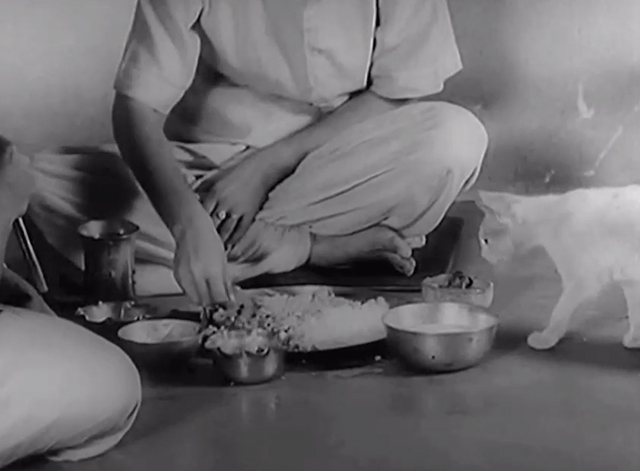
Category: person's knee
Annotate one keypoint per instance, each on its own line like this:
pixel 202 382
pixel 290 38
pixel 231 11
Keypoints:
pixel 72 398
pixel 105 409
pixel 109 388
pixel 453 138
pixel 443 157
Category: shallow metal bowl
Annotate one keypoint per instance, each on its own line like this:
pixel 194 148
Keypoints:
pixel 435 290
pixel 114 312
pixel 106 318
pixel 440 337
pixel 160 341
pixel 248 366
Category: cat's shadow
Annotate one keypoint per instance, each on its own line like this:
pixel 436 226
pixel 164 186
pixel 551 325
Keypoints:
pixel 571 349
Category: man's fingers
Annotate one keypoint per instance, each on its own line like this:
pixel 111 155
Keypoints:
pixel 239 231
pixel 209 202
pixel 193 291
pixel 217 292
pixel 228 226
pixel 231 291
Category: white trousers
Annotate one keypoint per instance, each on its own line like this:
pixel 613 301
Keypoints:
pixel 402 169
pixel 64 392
pixel 69 394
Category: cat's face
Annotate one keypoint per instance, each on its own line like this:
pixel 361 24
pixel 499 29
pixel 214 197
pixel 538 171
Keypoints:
pixel 500 229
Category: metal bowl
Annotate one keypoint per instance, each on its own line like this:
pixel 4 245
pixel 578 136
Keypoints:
pixel 107 318
pixel 116 312
pixel 440 337
pixel 435 290
pixel 244 364
pixel 160 341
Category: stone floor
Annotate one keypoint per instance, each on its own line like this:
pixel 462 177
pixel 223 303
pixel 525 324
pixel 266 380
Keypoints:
pixel 577 407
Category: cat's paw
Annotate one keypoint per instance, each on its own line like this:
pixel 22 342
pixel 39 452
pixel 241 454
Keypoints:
pixel 631 340
pixel 542 340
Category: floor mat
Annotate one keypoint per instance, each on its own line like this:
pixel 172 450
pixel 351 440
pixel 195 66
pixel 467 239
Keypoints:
pixel 436 257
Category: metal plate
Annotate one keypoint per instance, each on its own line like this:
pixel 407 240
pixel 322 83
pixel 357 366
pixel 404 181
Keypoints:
pixel 353 293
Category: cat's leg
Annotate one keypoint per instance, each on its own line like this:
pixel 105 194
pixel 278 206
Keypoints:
pixel 632 293
pixel 571 297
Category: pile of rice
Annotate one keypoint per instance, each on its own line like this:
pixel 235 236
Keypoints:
pixel 308 321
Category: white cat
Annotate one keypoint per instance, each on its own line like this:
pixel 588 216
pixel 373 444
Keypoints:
pixel 592 236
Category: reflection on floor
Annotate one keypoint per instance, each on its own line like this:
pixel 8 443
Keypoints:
pixel 576 407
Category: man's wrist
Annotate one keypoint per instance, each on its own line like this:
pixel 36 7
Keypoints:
pixel 182 214
pixel 278 161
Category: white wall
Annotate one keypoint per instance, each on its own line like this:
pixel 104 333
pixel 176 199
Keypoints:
pixel 57 61
pixel 525 61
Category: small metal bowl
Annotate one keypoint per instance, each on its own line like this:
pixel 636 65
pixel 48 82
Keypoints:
pixel 116 312
pixel 106 318
pixel 440 337
pixel 160 341
pixel 435 290
pixel 242 363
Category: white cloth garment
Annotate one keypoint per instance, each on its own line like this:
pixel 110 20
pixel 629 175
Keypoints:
pixel 234 75
pixel 64 392
pixel 252 72
pixel 402 169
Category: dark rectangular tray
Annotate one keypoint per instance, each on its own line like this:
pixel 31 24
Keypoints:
pixel 438 256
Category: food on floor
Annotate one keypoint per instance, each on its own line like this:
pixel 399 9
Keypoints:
pixel 234 342
pixel 305 321
pixel 459 280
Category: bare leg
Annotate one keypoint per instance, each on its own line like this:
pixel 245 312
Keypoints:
pixel 571 297
pixel 632 293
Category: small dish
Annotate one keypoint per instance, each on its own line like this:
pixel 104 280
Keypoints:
pixel 119 312
pixel 457 287
pixel 160 341
pixel 247 357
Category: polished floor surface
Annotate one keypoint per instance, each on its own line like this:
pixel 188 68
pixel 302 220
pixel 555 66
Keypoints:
pixel 576 407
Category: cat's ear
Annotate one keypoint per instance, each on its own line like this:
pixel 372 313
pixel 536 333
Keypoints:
pixel 501 205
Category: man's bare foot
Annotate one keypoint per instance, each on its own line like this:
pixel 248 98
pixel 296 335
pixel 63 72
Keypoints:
pixel 377 243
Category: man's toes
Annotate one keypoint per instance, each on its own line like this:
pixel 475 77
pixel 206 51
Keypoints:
pixel 417 242
pixel 406 266
pixel 395 243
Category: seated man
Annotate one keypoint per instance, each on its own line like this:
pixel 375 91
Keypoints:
pixel 270 135
pixel 64 392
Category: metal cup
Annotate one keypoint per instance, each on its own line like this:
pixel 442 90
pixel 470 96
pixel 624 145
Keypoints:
pixel 109 260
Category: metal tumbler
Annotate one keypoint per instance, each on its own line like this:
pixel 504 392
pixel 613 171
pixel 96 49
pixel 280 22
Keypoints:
pixel 109 260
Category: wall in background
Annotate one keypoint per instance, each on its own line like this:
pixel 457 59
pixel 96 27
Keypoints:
pixel 557 82
pixel 57 62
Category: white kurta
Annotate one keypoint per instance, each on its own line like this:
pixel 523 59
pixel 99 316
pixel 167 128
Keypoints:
pixel 233 75
pixel 236 75
pixel 255 71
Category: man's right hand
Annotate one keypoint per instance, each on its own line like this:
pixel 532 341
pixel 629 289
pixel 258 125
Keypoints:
pixel 200 263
